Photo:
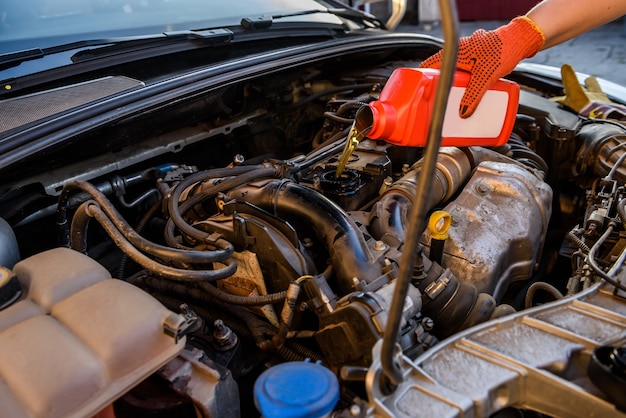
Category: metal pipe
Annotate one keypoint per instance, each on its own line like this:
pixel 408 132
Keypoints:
pixel 621 210
pixel 618 263
pixel 591 259
pixel 389 215
pixel 417 223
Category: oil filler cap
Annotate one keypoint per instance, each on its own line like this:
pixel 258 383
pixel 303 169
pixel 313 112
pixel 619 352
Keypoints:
pixel 296 390
pixel 10 288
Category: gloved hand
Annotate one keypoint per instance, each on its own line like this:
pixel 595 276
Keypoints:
pixel 491 55
pixel 591 101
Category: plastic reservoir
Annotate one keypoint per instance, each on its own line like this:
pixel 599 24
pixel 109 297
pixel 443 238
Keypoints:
pixel 403 112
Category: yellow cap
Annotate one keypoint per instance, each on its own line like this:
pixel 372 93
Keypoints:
pixel 439 224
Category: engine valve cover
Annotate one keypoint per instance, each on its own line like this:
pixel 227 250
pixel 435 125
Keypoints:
pixel 499 221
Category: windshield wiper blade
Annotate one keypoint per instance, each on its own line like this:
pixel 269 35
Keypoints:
pixel 14 58
pixel 265 21
pixel 358 16
pixel 218 36
pixel 210 36
pixel 204 37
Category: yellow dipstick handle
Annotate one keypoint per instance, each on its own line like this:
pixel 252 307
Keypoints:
pixel 438 225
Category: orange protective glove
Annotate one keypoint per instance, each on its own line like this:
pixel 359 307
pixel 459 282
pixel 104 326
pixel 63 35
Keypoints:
pixel 491 55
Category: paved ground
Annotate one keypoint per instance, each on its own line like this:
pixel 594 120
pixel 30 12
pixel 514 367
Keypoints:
pixel 601 52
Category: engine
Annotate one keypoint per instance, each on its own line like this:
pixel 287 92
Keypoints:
pixel 250 236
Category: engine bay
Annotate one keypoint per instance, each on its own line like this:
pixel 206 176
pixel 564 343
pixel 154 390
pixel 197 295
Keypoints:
pixel 225 208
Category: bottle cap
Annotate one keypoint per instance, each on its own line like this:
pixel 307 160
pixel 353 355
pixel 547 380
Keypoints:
pixel 296 390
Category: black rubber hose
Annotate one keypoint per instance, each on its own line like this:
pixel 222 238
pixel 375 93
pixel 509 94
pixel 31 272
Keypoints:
pixel 142 244
pixel 349 253
pixel 332 90
pixel 523 154
pixel 347 106
pixel 530 293
pixel 207 293
pixel 176 212
pixel 336 118
pixel 579 243
pixel 121 269
pixel 90 209
pixel 287 314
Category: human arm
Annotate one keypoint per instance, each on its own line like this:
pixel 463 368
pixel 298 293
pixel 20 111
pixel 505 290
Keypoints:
pixel 491 55
pixel 561 20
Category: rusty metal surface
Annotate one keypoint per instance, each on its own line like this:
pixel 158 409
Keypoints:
pixel 490 244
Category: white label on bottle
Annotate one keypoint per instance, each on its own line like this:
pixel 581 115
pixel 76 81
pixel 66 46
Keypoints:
pixel 486 122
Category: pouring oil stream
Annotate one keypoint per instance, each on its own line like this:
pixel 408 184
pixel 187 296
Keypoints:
pixel 360 128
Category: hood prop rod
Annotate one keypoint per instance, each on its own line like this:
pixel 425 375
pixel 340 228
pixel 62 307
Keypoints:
pixel 392 373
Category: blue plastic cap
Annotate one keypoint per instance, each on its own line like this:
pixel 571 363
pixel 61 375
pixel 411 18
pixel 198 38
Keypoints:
pixel 296 390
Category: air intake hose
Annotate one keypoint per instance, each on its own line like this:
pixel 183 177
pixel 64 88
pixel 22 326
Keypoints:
pixel 349 253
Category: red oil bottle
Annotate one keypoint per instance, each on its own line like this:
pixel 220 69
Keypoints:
pixel 403 111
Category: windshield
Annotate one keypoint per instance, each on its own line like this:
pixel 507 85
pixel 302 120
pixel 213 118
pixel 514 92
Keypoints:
pixel 28 24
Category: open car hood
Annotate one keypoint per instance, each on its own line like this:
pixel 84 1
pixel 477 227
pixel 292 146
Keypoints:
pixel 174 241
